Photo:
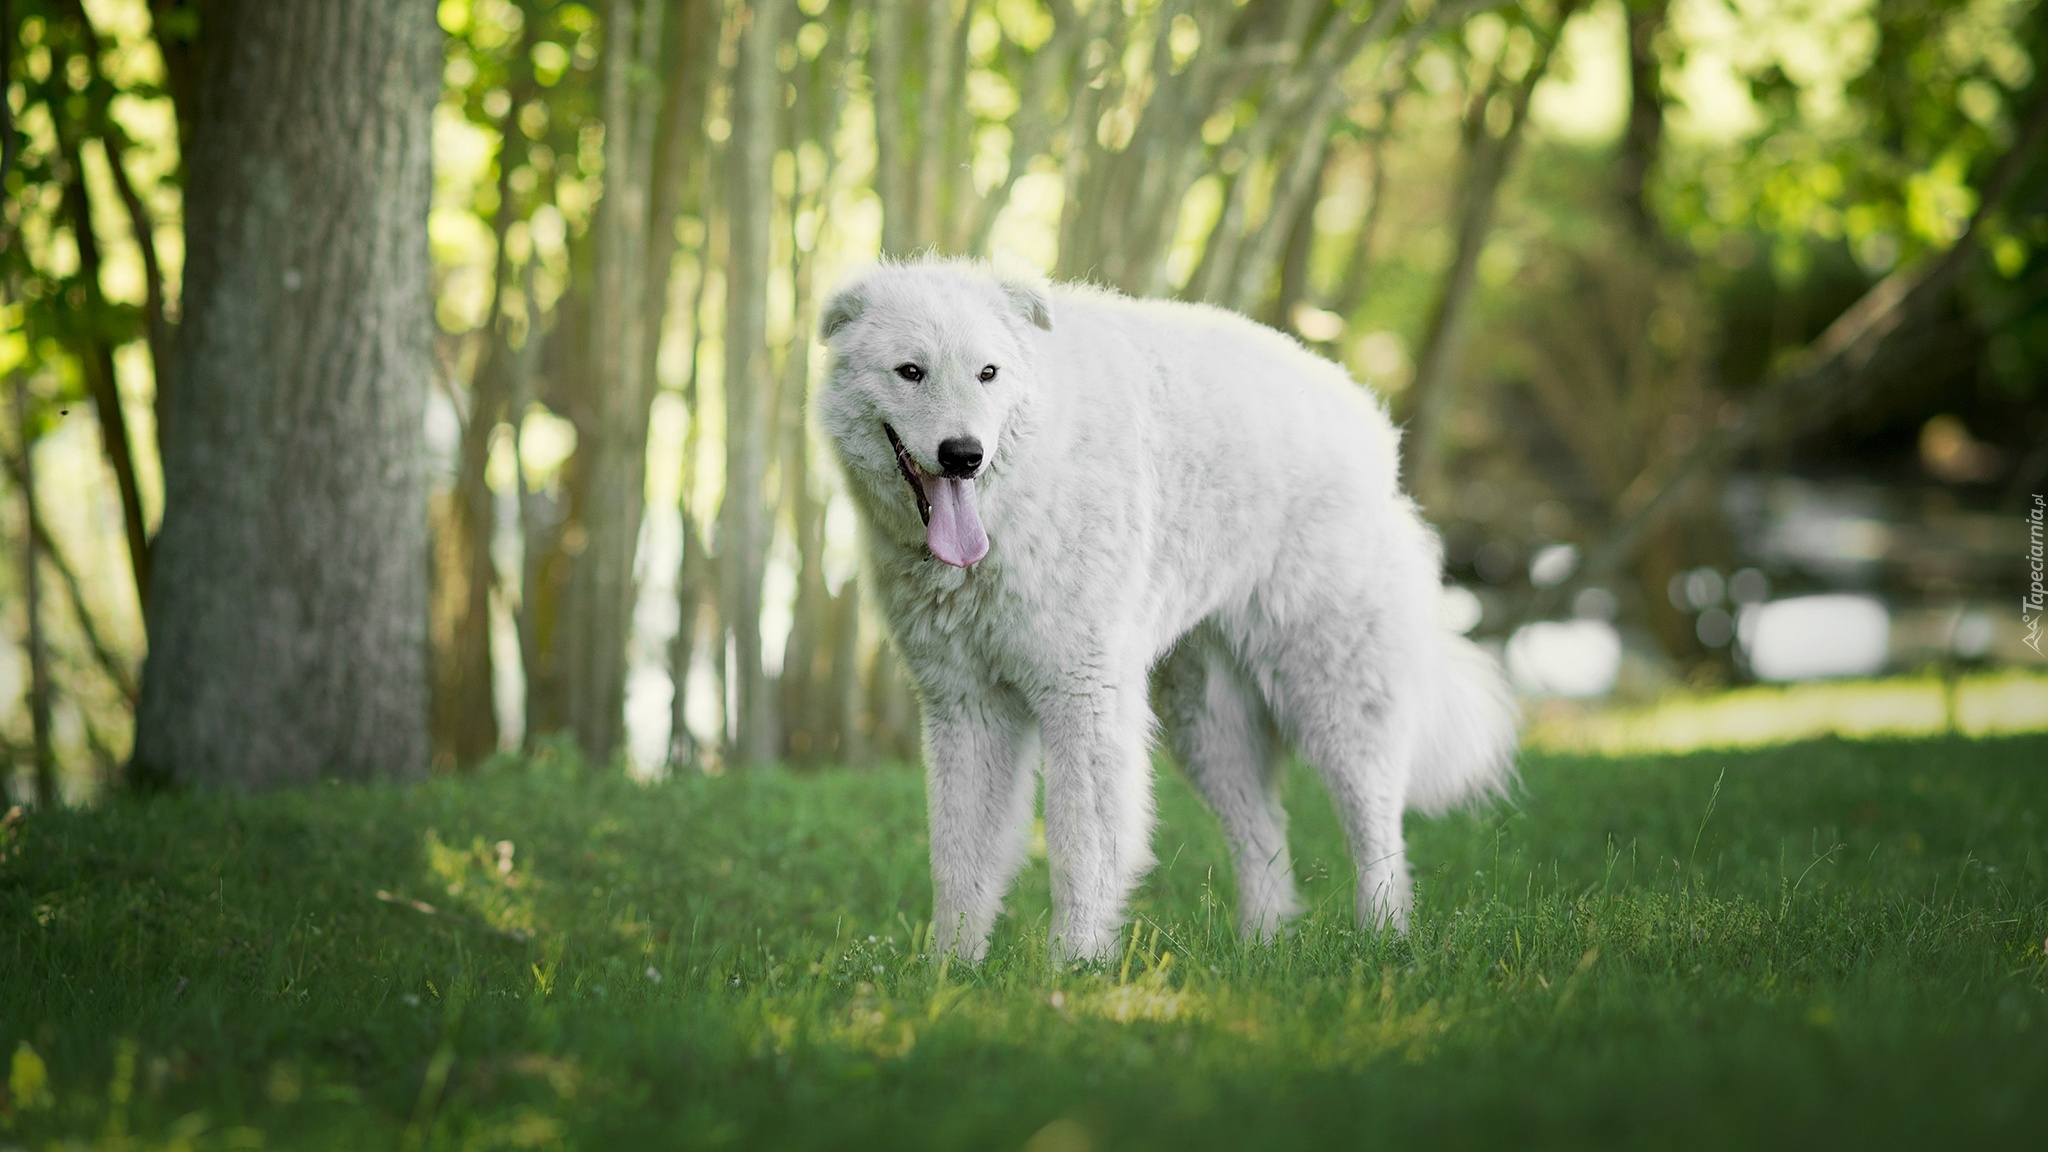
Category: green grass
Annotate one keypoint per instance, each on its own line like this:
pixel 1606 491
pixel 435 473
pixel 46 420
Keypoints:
pixel 1828 944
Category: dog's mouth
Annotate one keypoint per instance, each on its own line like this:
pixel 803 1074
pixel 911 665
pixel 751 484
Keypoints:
pixel 905 465
pixel 952 523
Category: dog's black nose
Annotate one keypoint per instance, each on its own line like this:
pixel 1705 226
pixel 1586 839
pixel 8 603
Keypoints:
pixel 960 456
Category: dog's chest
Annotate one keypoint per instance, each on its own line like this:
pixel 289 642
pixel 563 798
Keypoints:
pixel 980 618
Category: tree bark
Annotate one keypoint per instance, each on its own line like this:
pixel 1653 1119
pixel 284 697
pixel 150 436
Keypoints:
pixel 848 700
pixel 103 654
pixel 45 757
pixel 113 141
pixel 1487 162
pixel 749 411
pixel 288 614
pixel 894 175
pixel 472 713
pixel 598 604
pixel 1357 279
pixel 1643 139
pixel 96 359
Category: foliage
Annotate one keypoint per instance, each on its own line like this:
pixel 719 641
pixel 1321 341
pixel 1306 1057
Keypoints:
pixel 1828 944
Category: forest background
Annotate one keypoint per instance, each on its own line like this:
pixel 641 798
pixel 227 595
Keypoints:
pixel 1598 258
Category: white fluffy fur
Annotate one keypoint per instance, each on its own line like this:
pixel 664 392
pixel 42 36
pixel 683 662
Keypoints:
pixel 1177 498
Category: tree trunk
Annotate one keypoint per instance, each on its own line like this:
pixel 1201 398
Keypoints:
pixel 471 715
pixel 749 391
pixel 1644 137
pixel 682 648
pixel 1487 161
pixel 141 227
pixel 598 608
pixel 849 703
pixel 288 613
pixel 103 654
pixel 96 358
pixel 45 762
pixel 1358 265
pixel 894 172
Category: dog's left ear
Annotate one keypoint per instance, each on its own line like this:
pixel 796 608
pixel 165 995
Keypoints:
pixel 844 307
pixel 1030 301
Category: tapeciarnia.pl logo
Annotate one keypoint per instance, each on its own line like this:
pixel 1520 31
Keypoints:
pixel 2037 597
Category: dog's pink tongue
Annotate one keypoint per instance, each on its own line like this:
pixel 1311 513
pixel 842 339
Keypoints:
pixel 955 534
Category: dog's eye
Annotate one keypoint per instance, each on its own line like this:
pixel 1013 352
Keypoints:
pixel 988 373
pixel 910 372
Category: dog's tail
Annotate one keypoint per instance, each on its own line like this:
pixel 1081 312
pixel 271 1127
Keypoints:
pixel 1466 750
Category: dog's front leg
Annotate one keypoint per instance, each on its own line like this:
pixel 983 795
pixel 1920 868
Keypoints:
pixel 980 749
pixel 1098 810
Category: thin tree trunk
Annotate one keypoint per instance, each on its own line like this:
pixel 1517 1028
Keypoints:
pixel 749 411
pixel 897 729
pixel 849 703
pixel 694 575
pixel 597 624
pixel 807 708
pixel 1031 128
pixel 1643 138
pixel 806 518
pixel 536 539
pixel 1487 162
pixel 10 143
pixel 96 357
pixel 288 609
pixel 103 654
pixel 39 692
pixel 174 26
pixel 682 650
pixel 1311 95
pixel 113 143
pixel 1288 222
pixel 1078 255
pixel 473 711
pixel 680 164
pixel 1358 269
pixel 1294 261
pixel 807 521
pixel 895 179
pixel 932 116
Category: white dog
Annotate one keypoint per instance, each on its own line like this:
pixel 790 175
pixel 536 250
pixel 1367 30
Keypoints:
pixel 1068 495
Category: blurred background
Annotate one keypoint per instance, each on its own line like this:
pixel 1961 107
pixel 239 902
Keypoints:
pixel 1716 328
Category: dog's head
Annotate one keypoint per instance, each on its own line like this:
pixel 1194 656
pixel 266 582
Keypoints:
pixel 930 364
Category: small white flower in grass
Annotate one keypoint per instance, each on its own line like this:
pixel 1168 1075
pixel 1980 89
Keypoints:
pixel 654 974
pixel 411 999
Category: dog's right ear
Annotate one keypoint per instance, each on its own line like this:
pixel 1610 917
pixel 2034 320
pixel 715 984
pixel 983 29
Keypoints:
pixel 844 307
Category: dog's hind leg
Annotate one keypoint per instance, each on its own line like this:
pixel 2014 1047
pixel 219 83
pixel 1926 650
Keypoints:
pixel 1223 735
pixel 980 750
pixel 1347 705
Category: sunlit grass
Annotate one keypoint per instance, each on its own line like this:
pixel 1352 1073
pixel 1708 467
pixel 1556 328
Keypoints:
pixel 1825 944
pixel 1986 704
